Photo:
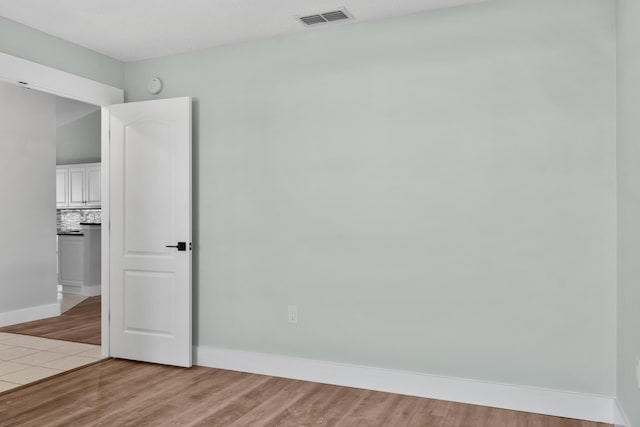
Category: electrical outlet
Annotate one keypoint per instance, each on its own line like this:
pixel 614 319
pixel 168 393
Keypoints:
pixel 292 314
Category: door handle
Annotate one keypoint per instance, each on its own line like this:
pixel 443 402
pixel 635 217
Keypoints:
pixel 181 246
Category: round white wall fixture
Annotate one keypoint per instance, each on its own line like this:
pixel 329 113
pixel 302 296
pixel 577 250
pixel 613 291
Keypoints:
pixel 155 85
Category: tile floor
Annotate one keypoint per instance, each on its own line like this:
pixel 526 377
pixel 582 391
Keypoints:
pixel 25 359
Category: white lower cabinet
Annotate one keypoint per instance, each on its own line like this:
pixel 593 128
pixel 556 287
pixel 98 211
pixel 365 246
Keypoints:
pixel 79 262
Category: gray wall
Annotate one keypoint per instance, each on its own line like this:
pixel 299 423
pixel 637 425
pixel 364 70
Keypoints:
pixel 27 192
pixel 436 192
pixel 79 140
pixel 629 207
pixel 25 42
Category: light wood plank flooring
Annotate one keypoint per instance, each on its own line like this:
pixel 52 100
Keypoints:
pixel 125 393
pixel 80 324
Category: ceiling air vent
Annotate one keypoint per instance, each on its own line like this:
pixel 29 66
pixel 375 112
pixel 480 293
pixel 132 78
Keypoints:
pixel 335 16
pixel 323 18
pixel 313 19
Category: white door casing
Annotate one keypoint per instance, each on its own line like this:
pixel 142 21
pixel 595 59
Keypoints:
pixel 150 209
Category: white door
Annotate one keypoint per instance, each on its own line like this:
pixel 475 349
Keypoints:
pixel 150 208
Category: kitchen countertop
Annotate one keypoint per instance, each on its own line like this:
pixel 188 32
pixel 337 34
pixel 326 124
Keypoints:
pixel 79 231
pixel 70 233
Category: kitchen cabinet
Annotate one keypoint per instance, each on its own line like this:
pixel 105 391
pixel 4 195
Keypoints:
pixel 62 182
pixel 79 262
pixel 93 185
pixel 78 186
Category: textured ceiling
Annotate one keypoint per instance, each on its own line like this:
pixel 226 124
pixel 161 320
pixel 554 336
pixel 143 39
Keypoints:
pixel 138 29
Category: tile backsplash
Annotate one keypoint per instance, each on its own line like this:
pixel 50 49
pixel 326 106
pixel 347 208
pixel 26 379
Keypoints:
pixel 71 218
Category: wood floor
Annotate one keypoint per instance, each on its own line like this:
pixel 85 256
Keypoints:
pixel 79 324
pixel 125 393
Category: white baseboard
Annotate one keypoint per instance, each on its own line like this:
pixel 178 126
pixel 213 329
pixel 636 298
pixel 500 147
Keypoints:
pixel 91 291
pixel 620 418
pixel 28 314
pixel 85 291
pixel 519 398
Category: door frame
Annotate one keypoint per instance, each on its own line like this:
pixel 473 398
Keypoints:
pixel 50 80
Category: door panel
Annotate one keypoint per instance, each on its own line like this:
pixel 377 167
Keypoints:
pixel 152 288
pixel 150 170
pixel 148 224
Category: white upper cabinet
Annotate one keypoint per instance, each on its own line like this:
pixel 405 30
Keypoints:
pixel 92 185
pixel 62 182
pixel 78 186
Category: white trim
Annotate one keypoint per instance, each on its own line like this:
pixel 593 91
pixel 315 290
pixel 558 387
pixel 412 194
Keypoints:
pixel 46 79
pixel 520 398
pixel 29 314
pixel 91 291
pixel 620 418
pixel 106 228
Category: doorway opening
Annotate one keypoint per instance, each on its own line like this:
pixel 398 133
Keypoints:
pixel 36 340
pixel 146 256
pixel 78 213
